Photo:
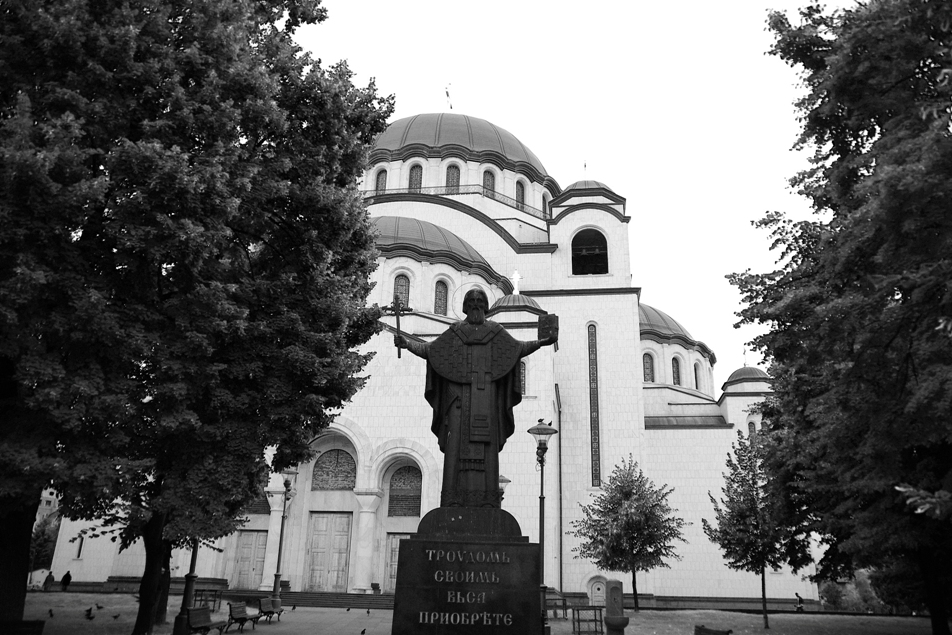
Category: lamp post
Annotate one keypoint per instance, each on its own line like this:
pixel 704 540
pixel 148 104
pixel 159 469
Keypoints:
pixel 286 496
pixel 180 626
pixel 541 433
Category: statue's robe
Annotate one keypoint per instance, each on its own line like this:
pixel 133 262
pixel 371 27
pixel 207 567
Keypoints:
pixel 472 384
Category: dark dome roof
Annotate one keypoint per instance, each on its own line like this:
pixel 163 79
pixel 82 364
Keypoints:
pixel 660 327
pixel 748 373
pixel 398 230
pixel 426 242
pixel 654 320
pixel 475 139
pixel 587 185
pixel 516 302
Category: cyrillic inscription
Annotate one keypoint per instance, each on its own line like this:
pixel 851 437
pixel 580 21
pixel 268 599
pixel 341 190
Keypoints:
pixel 483 619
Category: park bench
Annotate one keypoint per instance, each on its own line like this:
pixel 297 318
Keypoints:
pixel 200 621
pixel 238 614
pixel 587 619
pixel 703 630
pixel 270 608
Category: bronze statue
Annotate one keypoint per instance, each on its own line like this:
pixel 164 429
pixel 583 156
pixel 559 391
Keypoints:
pixel 472 384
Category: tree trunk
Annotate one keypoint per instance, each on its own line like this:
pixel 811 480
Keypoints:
pixel 936 592
pixel 17 523
pixel 149 585
pixel 165 582
pixel 634 588
pixel 763 594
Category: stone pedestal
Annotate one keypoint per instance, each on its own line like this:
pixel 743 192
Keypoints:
pixel 467 571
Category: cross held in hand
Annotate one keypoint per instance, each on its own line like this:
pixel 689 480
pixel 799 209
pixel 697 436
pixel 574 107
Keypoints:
pixel 397 309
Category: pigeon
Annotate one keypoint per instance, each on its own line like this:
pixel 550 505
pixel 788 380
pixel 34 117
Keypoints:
pixel 293 606
pixel 51 612
pixel 116 616
pixel 90 617
pixel 100 606
pixel 89 611
pixel 348 608
pixel 368 611
pixel 363 631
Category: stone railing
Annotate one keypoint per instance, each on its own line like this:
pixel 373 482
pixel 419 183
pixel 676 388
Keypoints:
pixel 461 190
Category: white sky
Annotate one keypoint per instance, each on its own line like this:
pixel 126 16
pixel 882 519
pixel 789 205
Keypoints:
pixel 673 105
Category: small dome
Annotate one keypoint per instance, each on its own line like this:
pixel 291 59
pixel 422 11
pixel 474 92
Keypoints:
pixel 475 139
pixel 745 374
pixel 427 237
pixel 660 327
pixel 426 242
pixel 654 320
pixel 587 185
pixel 516 302
pixel 748 373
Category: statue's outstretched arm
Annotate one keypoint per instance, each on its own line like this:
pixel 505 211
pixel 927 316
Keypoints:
pixel 420 349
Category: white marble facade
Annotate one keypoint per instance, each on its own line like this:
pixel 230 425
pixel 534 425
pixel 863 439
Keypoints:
pixel 343 536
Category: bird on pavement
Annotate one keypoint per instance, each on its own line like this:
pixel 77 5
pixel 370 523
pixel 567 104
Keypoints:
pixel 51 612
pixel 368 611
pixel 348 608
pixel 116 616
pixel 90 617
pixel 89 611
pixel 293 606
pixel 363 631
pixel 100 606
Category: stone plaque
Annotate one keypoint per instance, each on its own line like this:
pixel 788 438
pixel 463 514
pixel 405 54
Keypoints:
pixel 446 587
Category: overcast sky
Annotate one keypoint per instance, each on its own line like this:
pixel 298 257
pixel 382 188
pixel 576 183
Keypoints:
pixel 674 105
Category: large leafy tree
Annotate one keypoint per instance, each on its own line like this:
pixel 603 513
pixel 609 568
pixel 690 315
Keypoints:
pixel 862 368
pixel 629 526
pixel 184 262
pixel 746 523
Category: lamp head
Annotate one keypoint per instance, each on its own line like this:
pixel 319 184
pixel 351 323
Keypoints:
pixel 541 433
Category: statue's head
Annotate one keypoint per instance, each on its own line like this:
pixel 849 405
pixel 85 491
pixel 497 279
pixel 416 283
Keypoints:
pixel 475 305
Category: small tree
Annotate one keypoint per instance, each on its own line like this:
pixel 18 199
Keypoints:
pixel 746 527
pixel 629 526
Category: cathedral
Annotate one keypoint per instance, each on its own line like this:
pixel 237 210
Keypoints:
pixel 461 204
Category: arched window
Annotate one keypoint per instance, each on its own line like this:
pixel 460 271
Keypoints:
pixel 676 371
pixel 416 178
pixel 520 195
pixel 589 253
pixel 452 179
pixel 381 181
pixel 545 206
pixel 522 377
pixel 439 298
pixel 648 363
pixel 335 469
pixel 697 375
pixel 489 181
pixel 406 486
pixel 401 290
pixel 751 428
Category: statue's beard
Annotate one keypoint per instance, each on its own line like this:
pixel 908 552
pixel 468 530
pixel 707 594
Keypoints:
pixel 476 316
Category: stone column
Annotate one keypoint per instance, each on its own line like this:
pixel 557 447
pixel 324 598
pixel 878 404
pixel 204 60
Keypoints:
pixel 275 494
pixel 363 553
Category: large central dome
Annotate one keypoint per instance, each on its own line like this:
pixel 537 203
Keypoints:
pixel 435 134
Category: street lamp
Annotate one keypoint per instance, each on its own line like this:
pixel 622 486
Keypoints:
pixel 503 482
pixel 180 626
pixel 286 496
pixel 541 433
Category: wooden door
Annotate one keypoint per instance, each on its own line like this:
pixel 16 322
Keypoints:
pixel 393 552
pixel 249 567
pixel 329 552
